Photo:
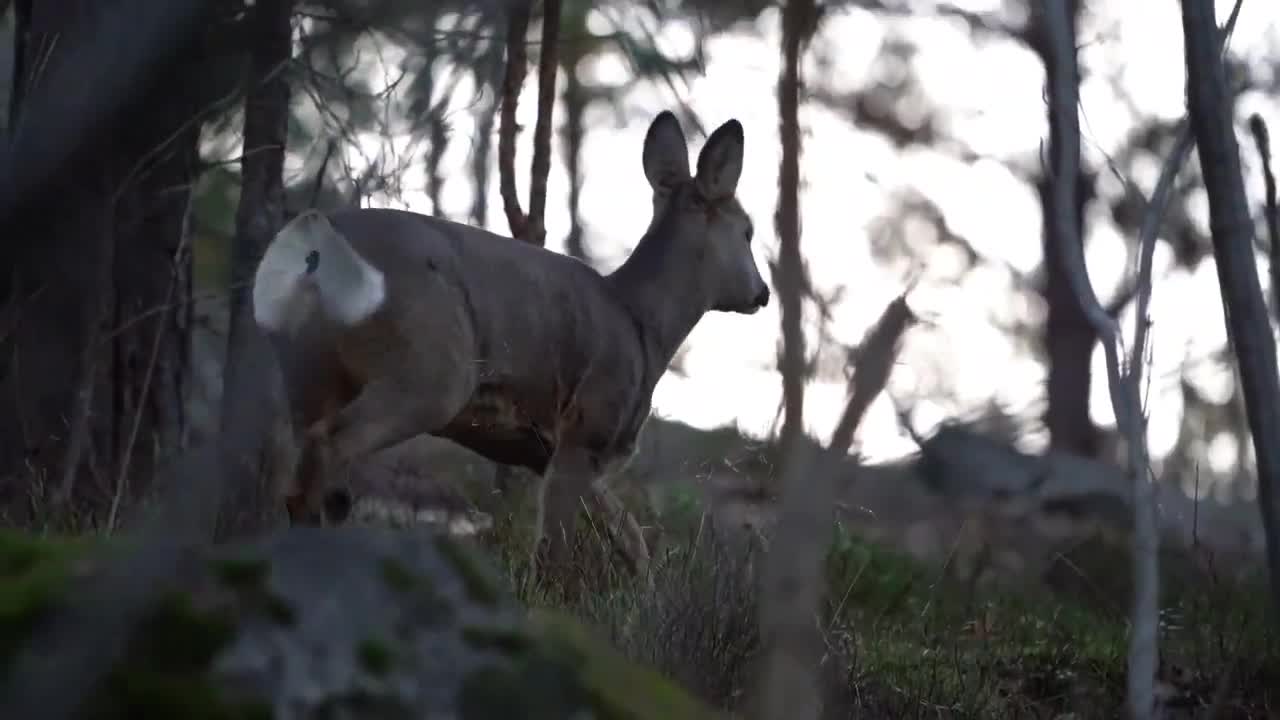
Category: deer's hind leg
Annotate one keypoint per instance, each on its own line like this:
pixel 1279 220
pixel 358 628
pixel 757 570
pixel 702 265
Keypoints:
pixel 383 414
pixel 316 388
pixel 413 389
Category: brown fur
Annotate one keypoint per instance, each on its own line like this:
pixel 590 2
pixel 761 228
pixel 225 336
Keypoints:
pixel 525 356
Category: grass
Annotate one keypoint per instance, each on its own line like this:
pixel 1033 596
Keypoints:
pixel 908 640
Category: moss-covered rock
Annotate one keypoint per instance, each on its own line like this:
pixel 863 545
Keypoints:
pixel 354 622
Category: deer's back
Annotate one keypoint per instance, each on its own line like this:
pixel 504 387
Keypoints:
pixel 556 357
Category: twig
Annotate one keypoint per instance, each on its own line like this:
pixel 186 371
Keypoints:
pixel 87 382
pixel 517 62
pixel 318 184
pixel 871 369
pixel 1125 400
pixel 1147 233
pixel 122 473
pixel 535 229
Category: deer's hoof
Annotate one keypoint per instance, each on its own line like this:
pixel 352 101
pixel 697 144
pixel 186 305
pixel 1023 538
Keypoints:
pixel 337 506
pixel 299 513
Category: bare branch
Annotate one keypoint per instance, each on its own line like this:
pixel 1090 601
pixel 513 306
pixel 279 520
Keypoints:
pixel 517 62
pixel 318 184
pixel 162 329
pixel 1262 139
pixel 871 370
pixel 1147 233
pixel 548 63
pixel 99 304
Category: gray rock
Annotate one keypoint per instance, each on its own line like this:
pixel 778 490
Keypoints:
pixel 352 622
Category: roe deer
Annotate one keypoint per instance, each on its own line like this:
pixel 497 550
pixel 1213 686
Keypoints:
pixel 388 324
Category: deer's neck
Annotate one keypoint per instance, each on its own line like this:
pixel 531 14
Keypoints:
pixel 665 297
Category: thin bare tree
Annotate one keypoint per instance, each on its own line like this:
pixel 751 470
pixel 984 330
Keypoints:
pixel 252 400
pixel 794 579
pixel 799 21
pixel 530 227
pixel 792 586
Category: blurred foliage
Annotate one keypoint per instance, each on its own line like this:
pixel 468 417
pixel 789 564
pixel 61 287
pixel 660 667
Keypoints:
pixel 429 51
pixel 444 59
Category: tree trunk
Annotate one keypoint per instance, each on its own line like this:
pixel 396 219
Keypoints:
pixel 93 305
pixel 1069 339
pixel 1210 106
pixel 252 401
pixel 789 277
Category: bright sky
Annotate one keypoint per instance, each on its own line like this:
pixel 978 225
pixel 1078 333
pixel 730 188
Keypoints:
pixel 990 95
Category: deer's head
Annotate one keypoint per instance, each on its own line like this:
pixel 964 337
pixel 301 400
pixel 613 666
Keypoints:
pixel 701 215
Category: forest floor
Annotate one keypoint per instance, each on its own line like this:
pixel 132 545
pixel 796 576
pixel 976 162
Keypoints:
pixel 935 607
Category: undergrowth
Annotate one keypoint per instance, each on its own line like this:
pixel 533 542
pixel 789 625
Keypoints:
pixel 907 640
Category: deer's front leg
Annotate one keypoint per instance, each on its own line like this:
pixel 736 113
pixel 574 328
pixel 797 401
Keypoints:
pixel 561 490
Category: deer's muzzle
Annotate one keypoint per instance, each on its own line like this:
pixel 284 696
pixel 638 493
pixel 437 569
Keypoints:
pixel 763 298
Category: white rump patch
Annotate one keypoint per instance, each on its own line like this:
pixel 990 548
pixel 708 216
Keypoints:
pixel 308 263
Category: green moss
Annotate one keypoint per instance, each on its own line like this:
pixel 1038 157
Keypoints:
pixel 376 656
pixel 397 576
pixel 164 673
pixel 33 572
pixel 181 637
pixel 279 610
pixel 617 687
pixel 534 688
pixel 555 667
pixel 507 640
pixel 481 582
pixel 143 694
pixel 242 573
pixel 248 577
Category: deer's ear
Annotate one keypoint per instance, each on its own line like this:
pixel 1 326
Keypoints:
pixel 666 155
pixel 720 162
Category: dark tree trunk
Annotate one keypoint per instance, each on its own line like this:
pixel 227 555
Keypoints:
pixel 252 394
pixel 1210 106
pixel 789 276
pixel 93 304
pixel 1069 339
